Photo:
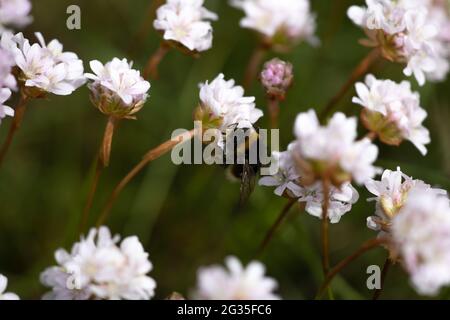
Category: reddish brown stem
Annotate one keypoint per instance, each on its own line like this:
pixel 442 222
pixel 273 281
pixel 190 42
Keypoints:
pixel 145 27
pixel 148 157
pixel 281 217
pixel 384 272
pixel 274 112
pixel 19 113
pixel 368 245
pixel 325 227
pixel 151 69
pixel 361 69
pixel 254 64
pixel 371 135
pixel 102 162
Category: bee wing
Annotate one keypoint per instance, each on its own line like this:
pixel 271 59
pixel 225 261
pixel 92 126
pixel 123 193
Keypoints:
pixel 248 182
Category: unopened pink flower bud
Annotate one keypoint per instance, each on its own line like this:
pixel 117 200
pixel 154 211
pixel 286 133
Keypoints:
pixel 277 76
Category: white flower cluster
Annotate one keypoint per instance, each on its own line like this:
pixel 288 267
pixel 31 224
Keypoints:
pixel 417 219
pixel 6 295
pixel 97 268
pixel 391 193
pixel 5 94
pixel 402 115
pixel 288 183
pixel 44 67
pixel 289 19
pixel 186 22
pixel 235 282
pixel 421 230
pixel 117 89
pixel 14 13
pixel 334 147
pixel 7 79
pixel 224 102
pixel 404 31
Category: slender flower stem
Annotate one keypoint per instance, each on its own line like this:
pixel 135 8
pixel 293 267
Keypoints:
pixel 371 135
pixel 102 162
pixel 254 63
pixel 19 113
pixel 273 105
pixel 367 246
pixel 361 69
pixel 148 157
pixel 384 272
pixel 325 226
pixel 270 234
pixel 142 33
pixel 151 69
pixel 325 232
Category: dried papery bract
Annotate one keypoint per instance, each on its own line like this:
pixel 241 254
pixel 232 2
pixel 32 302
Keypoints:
pixel 279 24
pixel 119 92
pixel 40 68
pixel 276 77
pixel 185 26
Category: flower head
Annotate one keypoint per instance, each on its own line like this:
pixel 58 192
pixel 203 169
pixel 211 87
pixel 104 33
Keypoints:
pixel 14 13
pixel 235 282
pixel 277 76
pixel 421 233
pixel 223 105
pixel 405 33
pixel 5 110
pixel 391 193
pixel 116 88
pixel 6 295
pixel 282 22
pixel 99 268
pixel 392 111
pixel 7 79
pixel 333 150
pixel 288 182
pixel 186 22
pixel 44 67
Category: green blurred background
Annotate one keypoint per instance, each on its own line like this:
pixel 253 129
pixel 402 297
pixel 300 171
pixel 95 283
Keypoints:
pixel 184 214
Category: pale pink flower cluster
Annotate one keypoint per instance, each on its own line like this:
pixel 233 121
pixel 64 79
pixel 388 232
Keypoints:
pixel 398 105
pixel 289 19
pixel 408 30
pixel 116 88
pixel 416 217
pixel 5 94
pixel 44 67
pixel 186 22
pixel 391 193
pixel 6 295
pixel 335 144
pixel 421 231
pixel 14 13
pixel 98 267
pixel 288 182
pixel 224 101
pixel 235 282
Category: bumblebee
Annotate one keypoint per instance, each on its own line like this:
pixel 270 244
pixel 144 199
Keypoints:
pixel 245 160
